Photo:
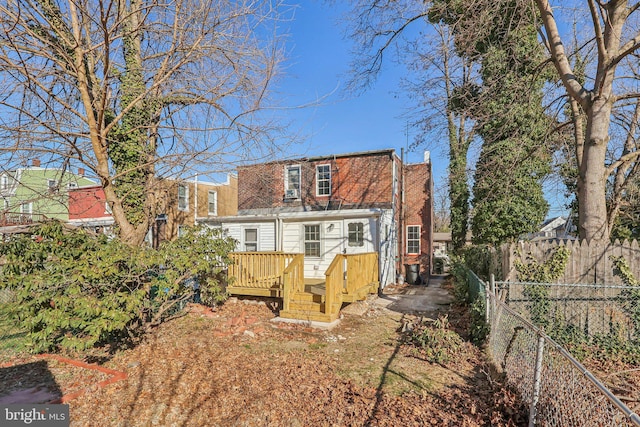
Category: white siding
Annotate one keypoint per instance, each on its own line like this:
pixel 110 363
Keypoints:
pixel 388 249
pixel 266 234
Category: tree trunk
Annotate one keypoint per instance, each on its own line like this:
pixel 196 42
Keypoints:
pixel 592 223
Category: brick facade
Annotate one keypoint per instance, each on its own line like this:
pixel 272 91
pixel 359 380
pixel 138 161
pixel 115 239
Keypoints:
pixel 358 180
pixel 362 180
pixel 418 211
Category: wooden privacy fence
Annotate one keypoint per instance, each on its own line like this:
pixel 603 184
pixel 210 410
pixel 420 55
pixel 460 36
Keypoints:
pixel 587 263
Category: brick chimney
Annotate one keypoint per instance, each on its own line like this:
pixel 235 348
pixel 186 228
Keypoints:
pixel 35 163
pixel 81 171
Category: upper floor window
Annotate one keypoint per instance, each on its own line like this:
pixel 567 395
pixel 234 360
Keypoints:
pixel 183 197
pixel 292 182
pixel 356 234
pixel 52 185
pixel 212 202
pixel 72 185
pixel 312 240
pixel 413 239
pixel 323 180
pixel 4 182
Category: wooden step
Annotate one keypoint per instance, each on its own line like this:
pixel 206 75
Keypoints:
pixel 300 305
pixel 306 296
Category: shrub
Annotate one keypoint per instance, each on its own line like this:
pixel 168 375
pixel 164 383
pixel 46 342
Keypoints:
pixel 435 342
pixel 75 290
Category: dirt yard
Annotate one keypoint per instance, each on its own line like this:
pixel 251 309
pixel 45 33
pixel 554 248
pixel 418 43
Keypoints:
pixel 235 367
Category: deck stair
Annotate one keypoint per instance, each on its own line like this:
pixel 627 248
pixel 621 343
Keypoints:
pixel 349 278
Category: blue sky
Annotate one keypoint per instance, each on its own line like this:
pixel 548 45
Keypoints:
pixel 318 68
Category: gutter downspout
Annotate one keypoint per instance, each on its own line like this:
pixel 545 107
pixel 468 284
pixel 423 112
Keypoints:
pixel 195 201
pixel 401 232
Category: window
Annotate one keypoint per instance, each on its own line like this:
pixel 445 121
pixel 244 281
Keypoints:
pixel 292 182
pixel 72 185
pixel 183 198
pixel 182 230
pixel 4 182
pixel 52 185
pixel 26 209
pixel 413 239
pixel 251 239
pixel 213 203
pixel 312 240
pixel 323 180
pixel 356 234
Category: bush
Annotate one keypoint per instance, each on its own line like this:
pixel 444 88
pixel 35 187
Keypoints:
pixel 435 342
pixel 75 290
pixel 483 260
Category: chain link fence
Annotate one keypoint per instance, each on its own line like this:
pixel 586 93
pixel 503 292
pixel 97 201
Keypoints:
pixel 580 311
pixel 557 388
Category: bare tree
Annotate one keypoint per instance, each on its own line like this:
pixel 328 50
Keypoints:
pixel 135 90
pixel 599 100
pixel 417 36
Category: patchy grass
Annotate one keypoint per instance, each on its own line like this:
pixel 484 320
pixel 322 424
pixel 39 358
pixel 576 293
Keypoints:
pixel 235 367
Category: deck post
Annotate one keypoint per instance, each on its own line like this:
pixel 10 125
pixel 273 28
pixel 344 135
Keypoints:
pixel 286 290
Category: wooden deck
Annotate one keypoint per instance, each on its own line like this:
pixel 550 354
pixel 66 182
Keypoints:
pixel 349 278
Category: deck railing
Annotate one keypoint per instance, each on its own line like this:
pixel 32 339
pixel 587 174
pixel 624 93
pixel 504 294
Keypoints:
pixel 260 270
pixel 334 283
pixel 293 280
pixel 361 270
pixel 7 219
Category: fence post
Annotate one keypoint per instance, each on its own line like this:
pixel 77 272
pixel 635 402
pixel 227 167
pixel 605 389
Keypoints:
pixel 537 374
pixel 491 301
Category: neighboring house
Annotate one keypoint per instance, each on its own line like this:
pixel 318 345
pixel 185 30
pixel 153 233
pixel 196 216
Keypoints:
pixel 34 193
pixel 442 244
pixel 554 229
pixel 189 202
pixel 88 208
pixel 182 203
pixel 338 204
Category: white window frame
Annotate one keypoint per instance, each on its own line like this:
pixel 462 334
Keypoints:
pixel 213 193
pixel 413 239
pixel 359 232
pixel 288 185
pixel 305 241
pixel 4 182
pixel 184 208
pixel 318 180
pixel 29 209
pixel 52 185
pixel 251 242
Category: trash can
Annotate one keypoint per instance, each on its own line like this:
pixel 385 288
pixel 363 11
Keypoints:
pixel 413 273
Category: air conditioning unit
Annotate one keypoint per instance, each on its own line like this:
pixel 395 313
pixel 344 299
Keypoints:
pixel 291 193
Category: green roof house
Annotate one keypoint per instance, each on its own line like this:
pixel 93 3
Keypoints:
pixel 33 194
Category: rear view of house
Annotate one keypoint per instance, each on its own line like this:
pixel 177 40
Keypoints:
pixel 340 204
